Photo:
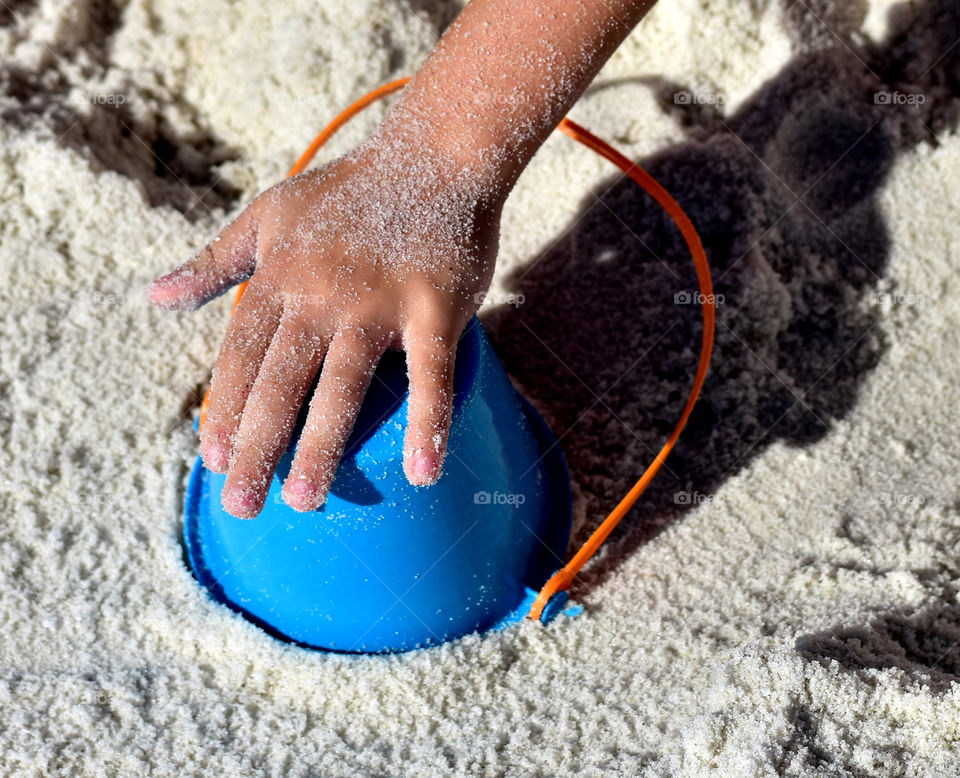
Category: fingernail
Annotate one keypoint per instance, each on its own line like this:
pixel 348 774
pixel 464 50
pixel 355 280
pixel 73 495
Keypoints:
pixel 163 282
pixel 424 466
pixel 241 500
pixel 217 457
pixel 164 291
pixel 300 494
pixel 155 287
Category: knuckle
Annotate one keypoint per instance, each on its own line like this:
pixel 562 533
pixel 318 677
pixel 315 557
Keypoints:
pixel 345 373
pixel 431 408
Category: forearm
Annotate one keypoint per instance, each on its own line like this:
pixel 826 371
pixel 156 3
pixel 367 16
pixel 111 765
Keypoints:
pixel 504 74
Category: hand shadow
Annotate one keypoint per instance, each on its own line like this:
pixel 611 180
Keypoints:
pixel 784 194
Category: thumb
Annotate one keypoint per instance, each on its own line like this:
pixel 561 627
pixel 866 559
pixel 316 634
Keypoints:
pixel 227 260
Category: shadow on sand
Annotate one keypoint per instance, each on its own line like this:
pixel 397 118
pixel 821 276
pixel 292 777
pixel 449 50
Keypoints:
pixel 784 193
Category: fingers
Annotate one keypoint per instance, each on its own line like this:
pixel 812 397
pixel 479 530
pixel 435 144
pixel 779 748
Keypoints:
pixel 249 333
pixel 227 260
pixel 347 370
pixel 287 372
pixel 430 361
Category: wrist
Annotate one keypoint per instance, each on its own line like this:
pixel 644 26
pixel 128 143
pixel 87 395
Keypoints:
pixel 452 129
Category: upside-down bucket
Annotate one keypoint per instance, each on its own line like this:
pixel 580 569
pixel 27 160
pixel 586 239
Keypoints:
pixel 384 565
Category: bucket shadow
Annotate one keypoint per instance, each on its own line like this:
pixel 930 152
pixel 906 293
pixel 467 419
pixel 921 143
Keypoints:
pixel 784 196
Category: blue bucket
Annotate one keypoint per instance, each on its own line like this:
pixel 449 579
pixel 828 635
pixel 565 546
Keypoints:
pixel 386 566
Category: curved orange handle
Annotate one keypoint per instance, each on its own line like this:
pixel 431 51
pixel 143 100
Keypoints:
pixel 561 580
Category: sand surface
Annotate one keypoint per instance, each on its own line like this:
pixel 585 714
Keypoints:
pixel 782 602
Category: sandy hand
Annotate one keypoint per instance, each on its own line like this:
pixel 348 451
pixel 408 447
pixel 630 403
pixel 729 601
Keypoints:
pixel 381 249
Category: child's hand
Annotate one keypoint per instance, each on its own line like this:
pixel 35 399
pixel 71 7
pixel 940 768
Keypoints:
pixel 381 249
pixel 385 248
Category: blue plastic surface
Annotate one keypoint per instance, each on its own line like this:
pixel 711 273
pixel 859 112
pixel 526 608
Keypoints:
pixel 554 606
pixel 386 566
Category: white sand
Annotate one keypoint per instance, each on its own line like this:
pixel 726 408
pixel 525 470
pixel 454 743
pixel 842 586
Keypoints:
pixel 800 619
